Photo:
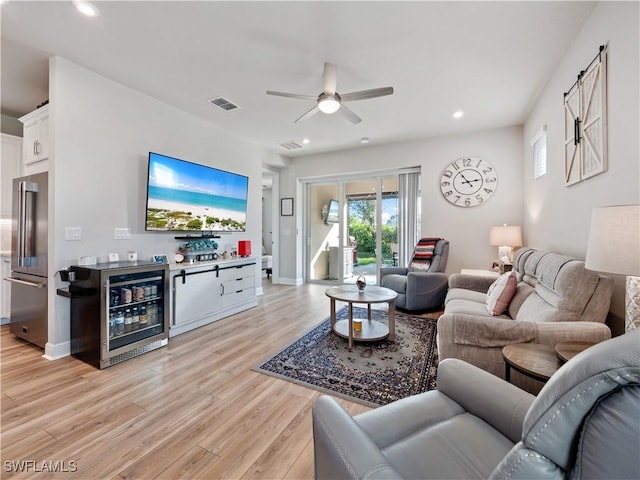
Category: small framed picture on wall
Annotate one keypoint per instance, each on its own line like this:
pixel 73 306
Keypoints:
pixel 286 207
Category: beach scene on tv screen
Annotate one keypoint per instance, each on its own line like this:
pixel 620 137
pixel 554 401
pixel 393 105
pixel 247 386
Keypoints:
pixel 191 197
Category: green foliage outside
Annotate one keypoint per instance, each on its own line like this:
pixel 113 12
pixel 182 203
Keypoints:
pixel 366 260
pixel 362 214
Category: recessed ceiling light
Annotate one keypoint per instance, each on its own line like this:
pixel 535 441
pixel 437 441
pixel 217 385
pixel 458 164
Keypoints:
pixel 306 141
pixel 86 8
pixel 364 140
pixel 458 114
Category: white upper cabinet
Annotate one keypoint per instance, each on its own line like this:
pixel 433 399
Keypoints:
pixel 35 136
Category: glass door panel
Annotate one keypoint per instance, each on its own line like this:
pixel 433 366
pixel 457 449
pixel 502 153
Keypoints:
pixel 362 204
pixel 323 232
pixel 352 228
pixel 389 222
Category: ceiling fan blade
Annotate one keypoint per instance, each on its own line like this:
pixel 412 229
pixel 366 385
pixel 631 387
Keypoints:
pixel 349 115
pixel 292 95
pixel 330 76
pixel 307 115
pixel 364 94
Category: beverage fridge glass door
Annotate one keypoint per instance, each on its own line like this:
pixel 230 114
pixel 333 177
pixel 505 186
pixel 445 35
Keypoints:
pixel 134 309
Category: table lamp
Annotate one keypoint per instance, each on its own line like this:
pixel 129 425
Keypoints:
pixel 614 247
pixel 505 238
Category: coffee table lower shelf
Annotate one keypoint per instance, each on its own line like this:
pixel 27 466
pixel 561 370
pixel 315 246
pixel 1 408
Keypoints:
pixel 371 330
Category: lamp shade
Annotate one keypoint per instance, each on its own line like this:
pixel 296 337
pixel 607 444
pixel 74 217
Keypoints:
pixel 614 240
pixel 505 235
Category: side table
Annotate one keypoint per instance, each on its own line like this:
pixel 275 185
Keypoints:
pixel 531 359
pixel 567 350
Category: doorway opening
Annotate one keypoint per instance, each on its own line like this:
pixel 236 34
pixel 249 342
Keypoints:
pixel 353 226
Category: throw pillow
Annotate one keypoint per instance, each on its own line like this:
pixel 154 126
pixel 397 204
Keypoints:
pixel 501 292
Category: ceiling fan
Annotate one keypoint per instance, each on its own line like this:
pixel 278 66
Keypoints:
pixel 330 101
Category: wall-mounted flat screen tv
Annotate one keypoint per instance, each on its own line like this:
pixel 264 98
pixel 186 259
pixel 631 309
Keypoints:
pixel 332 212
pixel 185 196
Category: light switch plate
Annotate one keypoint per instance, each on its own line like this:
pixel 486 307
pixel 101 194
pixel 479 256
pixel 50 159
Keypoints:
pixel 122 233
pixel 114 257
pixel 73 233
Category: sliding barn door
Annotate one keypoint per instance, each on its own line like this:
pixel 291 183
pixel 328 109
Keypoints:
pixel 585 118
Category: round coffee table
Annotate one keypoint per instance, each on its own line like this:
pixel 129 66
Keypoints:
pixel 371 330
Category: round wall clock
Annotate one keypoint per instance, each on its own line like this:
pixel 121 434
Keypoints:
pixel 467 182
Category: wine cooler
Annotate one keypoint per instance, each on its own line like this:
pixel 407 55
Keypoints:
pixel 119 310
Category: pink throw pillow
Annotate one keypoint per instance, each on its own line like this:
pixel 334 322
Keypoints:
pixel 501 292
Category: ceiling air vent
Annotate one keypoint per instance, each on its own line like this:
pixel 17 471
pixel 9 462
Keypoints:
pixel 223 103
pixel 292 145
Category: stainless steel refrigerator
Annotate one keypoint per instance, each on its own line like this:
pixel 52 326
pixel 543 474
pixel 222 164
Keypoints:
pixel 29 258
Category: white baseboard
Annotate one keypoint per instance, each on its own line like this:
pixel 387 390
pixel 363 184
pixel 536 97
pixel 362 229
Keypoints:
pixel 54 351
pixel 291 281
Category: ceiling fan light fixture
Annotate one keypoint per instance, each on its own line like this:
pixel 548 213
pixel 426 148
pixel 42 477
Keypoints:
pixel 329 103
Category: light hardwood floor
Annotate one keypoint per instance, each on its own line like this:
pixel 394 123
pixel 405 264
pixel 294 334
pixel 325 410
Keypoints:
pixel 193 409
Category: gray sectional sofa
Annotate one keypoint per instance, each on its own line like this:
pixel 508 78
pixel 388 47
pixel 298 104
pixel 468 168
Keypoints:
pixel 556 299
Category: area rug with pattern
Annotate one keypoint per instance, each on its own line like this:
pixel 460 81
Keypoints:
pixel 371 373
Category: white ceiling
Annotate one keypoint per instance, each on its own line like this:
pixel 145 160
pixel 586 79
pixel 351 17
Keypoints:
pixel 490 59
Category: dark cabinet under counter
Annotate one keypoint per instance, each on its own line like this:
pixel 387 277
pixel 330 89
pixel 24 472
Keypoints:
pixel 119 310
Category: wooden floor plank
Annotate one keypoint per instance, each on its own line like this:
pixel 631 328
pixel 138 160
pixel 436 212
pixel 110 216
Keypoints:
pixel 194 409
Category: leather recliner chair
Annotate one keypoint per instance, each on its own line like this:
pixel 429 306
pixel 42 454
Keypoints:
pixel 420 290
pixel 585 423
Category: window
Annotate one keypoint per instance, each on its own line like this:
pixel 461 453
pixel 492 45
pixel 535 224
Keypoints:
pixel 539 143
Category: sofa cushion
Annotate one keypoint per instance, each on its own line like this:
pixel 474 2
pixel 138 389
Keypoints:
pixel 519 260
pixel 522 293
pixel 464 294
pixel 500 293
pixel 467 307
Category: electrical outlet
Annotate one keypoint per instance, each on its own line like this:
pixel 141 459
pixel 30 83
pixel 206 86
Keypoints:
pixel 114 257
pixel 132 256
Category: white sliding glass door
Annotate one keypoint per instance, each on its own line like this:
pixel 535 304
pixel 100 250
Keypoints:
pixel 354 226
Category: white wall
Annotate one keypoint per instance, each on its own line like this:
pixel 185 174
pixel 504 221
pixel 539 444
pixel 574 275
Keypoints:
pixel 466 228
pixel 102 133
pixel 557 217
pixel 10 125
